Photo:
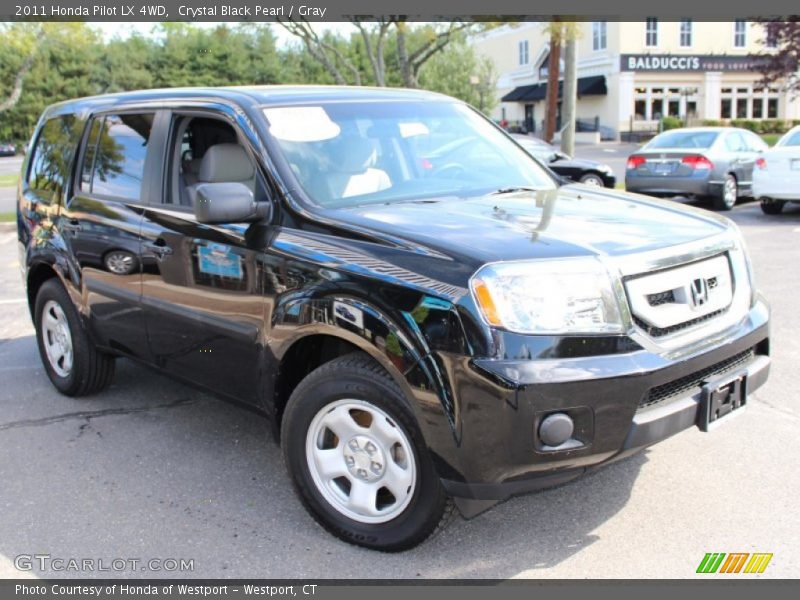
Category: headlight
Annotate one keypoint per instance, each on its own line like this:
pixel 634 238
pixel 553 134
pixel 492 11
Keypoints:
pixel 566 296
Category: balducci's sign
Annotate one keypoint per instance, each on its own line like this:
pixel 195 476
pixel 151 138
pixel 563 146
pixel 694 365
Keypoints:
pixel 687 62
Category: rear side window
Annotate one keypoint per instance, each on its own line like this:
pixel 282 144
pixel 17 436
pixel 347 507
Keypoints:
pixel 734 142
pixel 113 164
pixel 792 140
pixel 52 157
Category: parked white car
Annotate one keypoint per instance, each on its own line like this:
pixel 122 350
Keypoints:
pixel 776 178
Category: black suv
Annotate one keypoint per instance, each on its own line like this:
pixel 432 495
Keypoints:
pixel 419 333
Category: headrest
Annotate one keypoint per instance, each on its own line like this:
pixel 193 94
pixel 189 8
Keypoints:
pixel 352 153
pixel 225 162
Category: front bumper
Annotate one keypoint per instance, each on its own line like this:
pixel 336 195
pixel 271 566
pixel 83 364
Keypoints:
pixel 610 397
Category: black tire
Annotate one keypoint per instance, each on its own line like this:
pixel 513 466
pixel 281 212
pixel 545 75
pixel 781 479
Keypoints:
pixel 592 179
pixel 725 200
pixel 91 370
pixel 772 207
pixel 357 376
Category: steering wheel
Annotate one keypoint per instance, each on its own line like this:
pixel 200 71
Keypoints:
pixel 450 170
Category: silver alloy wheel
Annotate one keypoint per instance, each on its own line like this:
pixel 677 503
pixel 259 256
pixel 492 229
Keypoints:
pixel 120 263
pixel 729 191
pixel 592 180
pixel 56 338
pixel 362 463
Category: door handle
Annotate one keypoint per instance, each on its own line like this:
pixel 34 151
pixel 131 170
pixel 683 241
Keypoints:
pixel 73 225
pixel 159 248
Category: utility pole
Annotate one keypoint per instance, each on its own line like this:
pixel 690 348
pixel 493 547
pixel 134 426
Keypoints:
pixel 569 96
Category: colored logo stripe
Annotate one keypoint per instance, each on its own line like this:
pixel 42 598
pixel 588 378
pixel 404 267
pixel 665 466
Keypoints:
pixel 758 563
pixel 710 562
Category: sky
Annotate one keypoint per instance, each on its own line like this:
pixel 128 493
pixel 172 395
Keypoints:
pixel 123 30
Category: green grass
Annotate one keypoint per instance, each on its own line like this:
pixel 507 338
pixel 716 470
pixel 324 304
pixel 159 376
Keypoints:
pixel 8 217
pixel 771 138
pixel 9 180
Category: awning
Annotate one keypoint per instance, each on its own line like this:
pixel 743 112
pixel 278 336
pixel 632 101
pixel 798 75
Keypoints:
pixel 587 86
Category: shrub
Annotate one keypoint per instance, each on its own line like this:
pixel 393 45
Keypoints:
pixel 670 123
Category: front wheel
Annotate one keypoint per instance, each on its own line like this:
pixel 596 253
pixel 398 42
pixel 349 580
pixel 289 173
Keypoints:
pixel 592 179
pixel 726 199
pixel 357 458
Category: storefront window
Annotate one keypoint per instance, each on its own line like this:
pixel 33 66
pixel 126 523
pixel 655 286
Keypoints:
pixel 674 108
pixel 651 35
pixel 691 108
pixel 741 108
pixel 725 108
pixel 772 108
pixel 639 109
pixel 758 108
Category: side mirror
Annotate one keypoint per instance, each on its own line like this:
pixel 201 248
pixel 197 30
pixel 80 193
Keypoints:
pixel 227 203
pixel 560 156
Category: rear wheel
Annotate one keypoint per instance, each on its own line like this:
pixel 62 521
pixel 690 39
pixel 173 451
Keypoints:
pixel 772 207
pixel 357 458
pixel 73 364
pixel 726 199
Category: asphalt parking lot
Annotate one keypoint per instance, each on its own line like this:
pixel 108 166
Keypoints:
pixel 151 469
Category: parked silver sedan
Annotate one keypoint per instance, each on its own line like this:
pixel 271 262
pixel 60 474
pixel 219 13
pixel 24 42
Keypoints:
pixel 715 162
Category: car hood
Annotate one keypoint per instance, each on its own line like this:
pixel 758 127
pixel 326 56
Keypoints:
pixel 572 220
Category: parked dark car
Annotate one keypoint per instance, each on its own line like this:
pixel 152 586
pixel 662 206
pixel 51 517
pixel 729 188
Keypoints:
pixel 419 332
pixel 582 170
pixel 7 149
pixel 703 162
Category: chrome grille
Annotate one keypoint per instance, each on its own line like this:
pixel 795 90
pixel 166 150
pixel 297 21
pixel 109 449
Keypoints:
pixel 671 300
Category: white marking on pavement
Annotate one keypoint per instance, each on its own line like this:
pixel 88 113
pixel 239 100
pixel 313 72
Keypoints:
pixel 13 301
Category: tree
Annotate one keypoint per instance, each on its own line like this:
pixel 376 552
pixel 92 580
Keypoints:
pixel 413 46
pixel 23 40
pixel 569 94
pixel 458 71
pixel 324 49
pixel 782 64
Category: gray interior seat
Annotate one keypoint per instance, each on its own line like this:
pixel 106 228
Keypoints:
pixel 224 163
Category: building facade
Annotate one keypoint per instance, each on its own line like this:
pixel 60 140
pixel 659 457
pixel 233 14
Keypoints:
pixel 630 74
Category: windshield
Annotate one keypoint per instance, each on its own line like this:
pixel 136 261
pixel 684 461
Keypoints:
pixel 352 153
pixel 684 139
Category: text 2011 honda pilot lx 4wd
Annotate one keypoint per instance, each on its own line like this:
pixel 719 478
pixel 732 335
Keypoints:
pixel 419 324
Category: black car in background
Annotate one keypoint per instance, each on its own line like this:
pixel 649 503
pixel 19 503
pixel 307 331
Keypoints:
pixel 425 315
pixel 581 170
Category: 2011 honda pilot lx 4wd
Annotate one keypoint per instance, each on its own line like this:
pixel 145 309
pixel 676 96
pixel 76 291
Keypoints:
pixel 421 327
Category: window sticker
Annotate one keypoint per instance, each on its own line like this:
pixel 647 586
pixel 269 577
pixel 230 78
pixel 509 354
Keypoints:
pixel 301 124
pixel 413 128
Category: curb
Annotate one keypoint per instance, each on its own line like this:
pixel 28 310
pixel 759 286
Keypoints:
pixel 6 227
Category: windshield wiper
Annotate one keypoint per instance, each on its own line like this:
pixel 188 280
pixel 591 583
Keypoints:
pixel 514 190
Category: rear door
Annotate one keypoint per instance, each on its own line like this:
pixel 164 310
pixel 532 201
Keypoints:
pixel 203 285
pixel 754 147
pixel 738 157
pixel 102 219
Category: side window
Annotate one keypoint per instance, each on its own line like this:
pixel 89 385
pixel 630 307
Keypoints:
pixel 52 157
pixel 754 143
pixel 113 163
pixel 734 142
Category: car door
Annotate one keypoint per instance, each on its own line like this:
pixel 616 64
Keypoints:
pixel 101 223
pixel 203 285
pixel 739 159
pixel 754 147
